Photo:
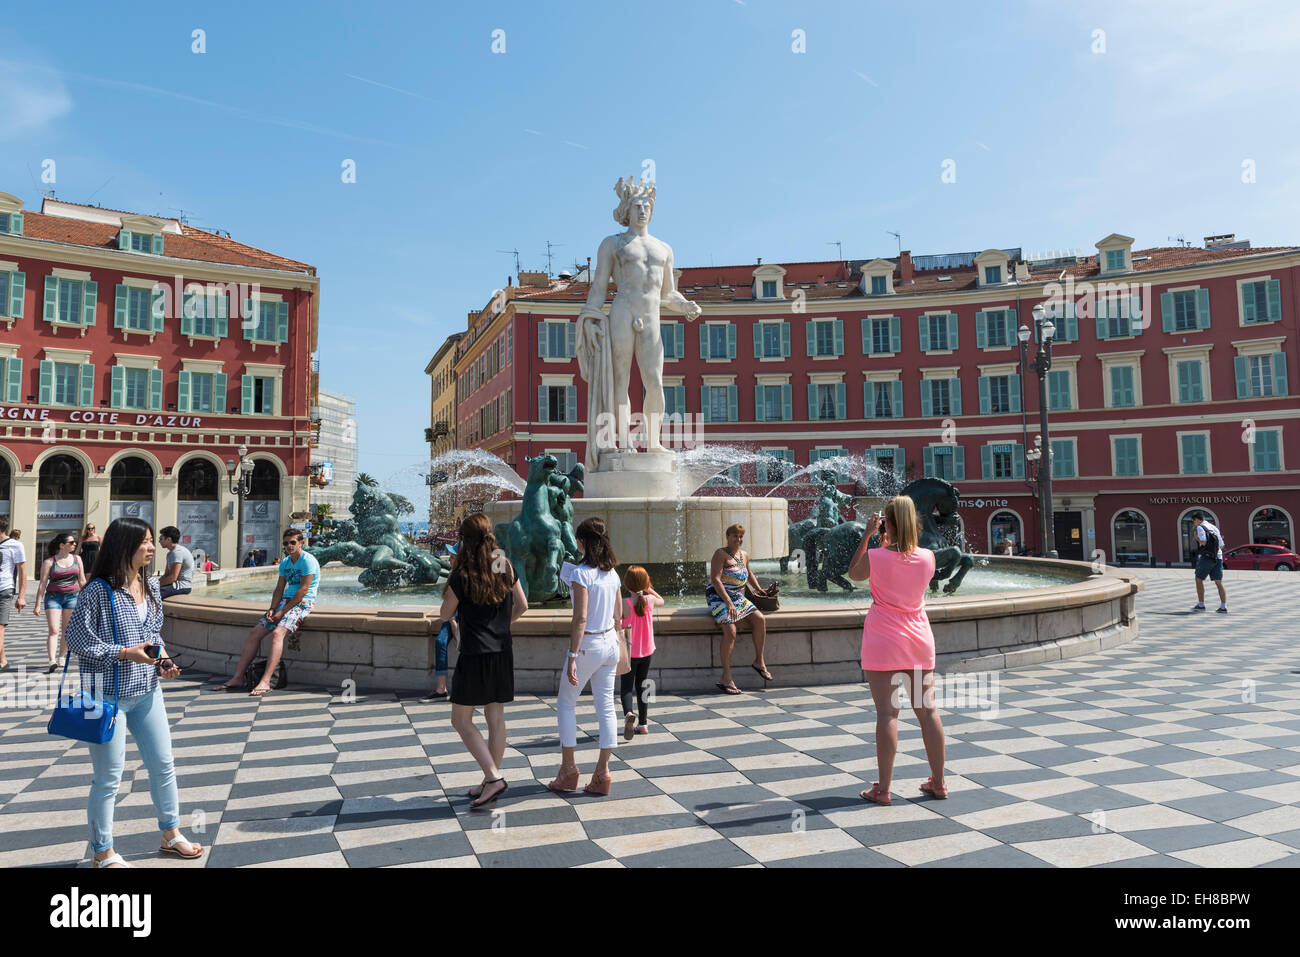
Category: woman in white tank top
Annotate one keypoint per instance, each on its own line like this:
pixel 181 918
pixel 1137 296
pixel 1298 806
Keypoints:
pixel 593 654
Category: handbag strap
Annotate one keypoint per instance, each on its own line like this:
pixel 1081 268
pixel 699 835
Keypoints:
pixel 112 618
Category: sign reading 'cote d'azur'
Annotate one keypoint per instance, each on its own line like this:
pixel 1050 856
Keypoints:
pixel 93 416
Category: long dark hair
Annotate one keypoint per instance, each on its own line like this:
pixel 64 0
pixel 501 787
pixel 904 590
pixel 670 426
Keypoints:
pixel 596 549
pixel 58 540
pixel 121 541
pixel 475 555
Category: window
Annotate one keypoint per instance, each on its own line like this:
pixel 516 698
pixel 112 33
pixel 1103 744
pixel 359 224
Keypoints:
pixel 1122 392
pixel 4 294
pixel 264 329
pixel 771 340
pixel 938 333
pixel 1195 454
pixel 819 455
pixel 718 341
pixel 141 242
pixel 1114 259
pixel 879 285
pixel 999 394
pixel 1002 460
pixel 776 469
pixel 671 334
pixel 1132 543
pixel 138 305
pixel 719 403
pixel 882 400
pixel 557 403
pixel 992 275
pixel 136 388
pixel 69 301
pixel 1127 462
pixel 884 470
pixel 1261 301
pixel 675 400
pixel 1189 381
pixel 769 288
pixel 1262 374
pixel 945 462
pixel 940 397
pixel 557 340
pixel 1004 527
pixel 205 315
pixel 1117 323
pixel 772 403
pixel 1184 303
pixel 826 337
pixel 1266 453
pixel 66 383
pixel 1058 389
pixel 263 394
pixel 204 393
pixel 880 336
pixel 730 477
pixel 4 222
pixel 1063 458
pixel 826 400
pixel 565 460
pixel 993 328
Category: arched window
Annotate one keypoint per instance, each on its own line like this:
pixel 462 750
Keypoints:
pixel 266 482
pixel 1186 528
pixel 60 494
pixel 6 481
pixel 1005 527
pixel 1131 537
pixel 1268 526
pixel 198 481
pixel 131 479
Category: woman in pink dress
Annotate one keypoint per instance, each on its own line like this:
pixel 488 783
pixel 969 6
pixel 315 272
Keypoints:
pixel 897 643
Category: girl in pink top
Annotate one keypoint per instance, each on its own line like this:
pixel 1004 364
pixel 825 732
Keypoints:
pixel 897 643
pixel 639 623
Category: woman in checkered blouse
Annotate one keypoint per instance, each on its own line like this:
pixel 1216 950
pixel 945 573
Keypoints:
pixel 120 592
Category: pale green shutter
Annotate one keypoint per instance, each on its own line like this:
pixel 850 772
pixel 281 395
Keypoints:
pixel 124 239
pixel 840 403
pixel 155 389
pixel 268 397
pixel 219 392
pixel 958 463
pixel 787 410
pixel 733 413
pixel 839 337
pixel 189 307
pixel 87 383
pixel 571 403
pixel 985 405
pixel 898 399
pixel 731 340
pixel 923 330
pixel 812 402
pixel 785 339
pixel 1184 385
pixel 543 342
pixel 1202 308
pixel 758 340
pixel 571 339
pixel 157 244
pixel 1279 373
pixel 1248 301
pixel 1242 372
pixel 1018 460
pixel 1274 300
pixel 45 395
pixel 120 304
pixel 51 298
pixel 14 379
pixel 981 330
pixel 158 306
pixel 1013 391
pixel 867 407
pixel 895 336
pixel 1167 311
pixel 927 456
pixel 222 326
pixel 89 297
pixel 866 337
pixel 704 341
pixel 758 403
pixel 183 392
pixel 927 401
pixel 17 287
pixel 543 409
pixel 952 331
pixel 117 387
pixel 704 402
pixel 15 224
pixel 246 394
pixel 281 322
pixel 810 335
pixel 986 461
pixel 1100 307
pixel 954 395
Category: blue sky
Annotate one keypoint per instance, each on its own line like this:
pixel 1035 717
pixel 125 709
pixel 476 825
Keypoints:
pixel 759 151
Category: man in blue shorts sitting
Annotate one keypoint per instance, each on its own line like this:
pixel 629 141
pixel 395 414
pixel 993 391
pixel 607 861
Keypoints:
pixel 294 598
pixel 1209 561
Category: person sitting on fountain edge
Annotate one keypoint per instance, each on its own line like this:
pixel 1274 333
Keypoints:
pixel 300 577
pixel 729 570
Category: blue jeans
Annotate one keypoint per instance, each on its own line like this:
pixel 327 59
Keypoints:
pixel 65 602
pixel 440 649
pixel 146 717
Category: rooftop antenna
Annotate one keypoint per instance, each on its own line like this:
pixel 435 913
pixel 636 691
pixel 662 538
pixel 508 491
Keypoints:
pixel 1177 239
pixel 549 246
pixel 184 217
pixel 512 252
pixel 839 247
pixel 899 237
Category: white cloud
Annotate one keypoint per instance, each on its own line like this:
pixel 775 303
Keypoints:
pixel 29 101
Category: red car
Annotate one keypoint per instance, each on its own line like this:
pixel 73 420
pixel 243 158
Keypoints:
pixel 1270 558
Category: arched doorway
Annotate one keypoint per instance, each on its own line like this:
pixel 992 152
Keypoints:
pixel 130 490
pixel 1268 526
pixel 60 497
pixel 1188 545
pixel 1005 526
pixel 6 487
pixel 260 523
pixel 1131 537
pixel 198 508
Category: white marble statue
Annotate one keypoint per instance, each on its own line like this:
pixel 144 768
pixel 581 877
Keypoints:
pixel 642 266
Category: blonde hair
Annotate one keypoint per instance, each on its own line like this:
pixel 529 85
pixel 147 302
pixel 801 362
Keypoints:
pixel 737 529
pixel 900 515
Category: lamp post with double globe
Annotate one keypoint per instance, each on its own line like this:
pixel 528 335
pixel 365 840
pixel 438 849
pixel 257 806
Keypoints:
pixel 1041 364
pixel 240 475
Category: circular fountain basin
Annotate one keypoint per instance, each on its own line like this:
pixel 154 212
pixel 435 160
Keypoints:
pixel 1061 609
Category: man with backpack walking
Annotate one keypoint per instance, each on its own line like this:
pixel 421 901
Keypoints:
pixel 1209 561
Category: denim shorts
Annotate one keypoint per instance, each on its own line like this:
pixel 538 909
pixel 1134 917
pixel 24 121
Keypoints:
pixel 1210 568
pixel 66 602
pixel 6 606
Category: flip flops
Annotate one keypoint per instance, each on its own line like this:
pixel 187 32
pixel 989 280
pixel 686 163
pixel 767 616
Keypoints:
pixel 728 689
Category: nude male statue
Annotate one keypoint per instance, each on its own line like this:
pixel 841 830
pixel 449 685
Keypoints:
pixel 642 266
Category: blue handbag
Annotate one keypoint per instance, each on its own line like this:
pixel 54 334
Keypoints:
pixel 82 716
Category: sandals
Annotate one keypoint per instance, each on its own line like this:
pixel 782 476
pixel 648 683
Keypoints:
pixel 169 847
pixel 481 801
pixel 111 860
pixel 599 785
pixel 728 689
pixel 629 726
pixel 564 782
pixel 644 729
pixel 762 672
pixel 939 793
pixel 260 692
pixel 876 795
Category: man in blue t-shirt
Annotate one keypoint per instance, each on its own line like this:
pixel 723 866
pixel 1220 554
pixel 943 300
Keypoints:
pixel 294 598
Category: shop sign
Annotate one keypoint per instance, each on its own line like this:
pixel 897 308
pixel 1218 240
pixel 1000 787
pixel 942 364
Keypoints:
pixel 95 417
pixel 981 502
pixel 1199 500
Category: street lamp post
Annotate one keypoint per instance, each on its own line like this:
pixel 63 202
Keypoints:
pixel 240 485
pixel 1041 364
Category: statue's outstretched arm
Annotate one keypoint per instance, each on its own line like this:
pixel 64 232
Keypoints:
pixel 673 301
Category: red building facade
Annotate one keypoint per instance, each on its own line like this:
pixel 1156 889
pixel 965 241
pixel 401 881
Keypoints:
pixel 1169 389
pixel 137 354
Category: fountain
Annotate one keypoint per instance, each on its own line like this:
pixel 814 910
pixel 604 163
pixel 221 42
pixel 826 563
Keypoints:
pixel 1012 611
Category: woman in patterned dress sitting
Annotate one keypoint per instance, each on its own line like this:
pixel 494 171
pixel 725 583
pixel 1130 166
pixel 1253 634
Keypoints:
pixel 727 603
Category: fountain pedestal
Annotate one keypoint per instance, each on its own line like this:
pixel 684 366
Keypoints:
pixel 622 474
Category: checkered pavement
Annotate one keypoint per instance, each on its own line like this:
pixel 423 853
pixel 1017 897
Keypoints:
pixel 1179 749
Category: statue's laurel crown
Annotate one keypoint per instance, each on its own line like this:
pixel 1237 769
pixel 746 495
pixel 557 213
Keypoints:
pixel 631 187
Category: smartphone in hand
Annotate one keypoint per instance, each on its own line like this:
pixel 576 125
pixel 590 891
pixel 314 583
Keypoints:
pixel 153 651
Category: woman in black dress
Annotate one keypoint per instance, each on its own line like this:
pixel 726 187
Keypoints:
pixel 485 599
pixel 89 547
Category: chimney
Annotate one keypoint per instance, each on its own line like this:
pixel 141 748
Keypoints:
pixel 905 267
pixel 821 280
